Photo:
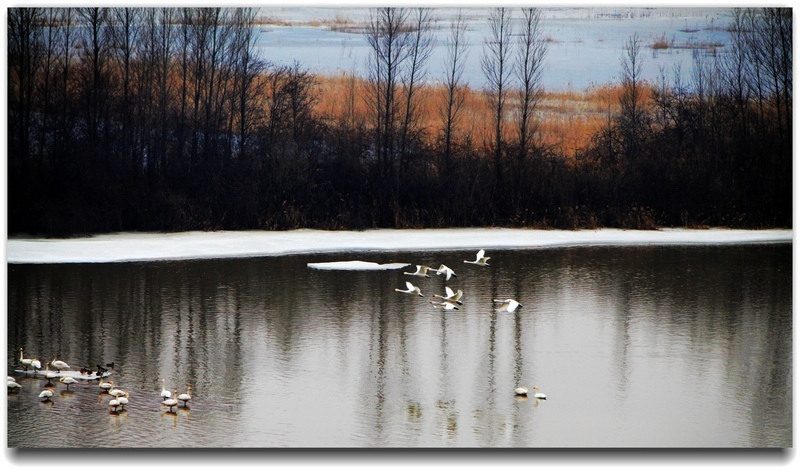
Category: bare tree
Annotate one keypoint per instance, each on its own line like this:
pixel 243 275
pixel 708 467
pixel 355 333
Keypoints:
pixel 455 90
pixel 531 54
pixel 631 107
pixel 389 41
pixel 420 49
pixel 496 66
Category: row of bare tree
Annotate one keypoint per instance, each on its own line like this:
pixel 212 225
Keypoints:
pixel 168 119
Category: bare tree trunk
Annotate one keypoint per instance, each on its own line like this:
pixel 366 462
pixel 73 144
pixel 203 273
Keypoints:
pixel 496 63
pixel 529 72
pixel 389 40
pixel 454 96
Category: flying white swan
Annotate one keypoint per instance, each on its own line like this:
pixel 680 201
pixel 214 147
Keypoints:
pixel 185 397
pixel 411 289
pixel 67 381
pixel 451 297
pixel 59 364
pixel 449 273
pixel 447 306
pixel 46 394
pixel 480 260
pixel 165 394
pixel 170 402
pixel 509 305
pixel 421 271
pixel 22 360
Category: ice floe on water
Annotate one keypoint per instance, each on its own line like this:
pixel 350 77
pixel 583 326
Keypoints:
pixel 356 266
pixel 238 244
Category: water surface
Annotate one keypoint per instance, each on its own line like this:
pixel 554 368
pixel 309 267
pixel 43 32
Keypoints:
pixel 658 346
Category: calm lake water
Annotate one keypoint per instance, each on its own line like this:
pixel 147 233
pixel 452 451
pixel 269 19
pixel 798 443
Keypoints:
pixel 662 346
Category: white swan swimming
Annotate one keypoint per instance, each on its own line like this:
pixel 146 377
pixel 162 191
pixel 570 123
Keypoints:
pixel 421 271
pixel 106 385
pixel 451 297
pixel 538 395
pixel 411 289
pixel 67 381
pixel 123 400
pixel 449 273
pixel 46 394
pixel 165 394
pixel 447 306
pixel 508 305
pixel 480 260
pixel 116 392
pixel 185 397
pixel 12 384
pixel 22 360
pixel 59 364
pixel 170 402
pixel 114 404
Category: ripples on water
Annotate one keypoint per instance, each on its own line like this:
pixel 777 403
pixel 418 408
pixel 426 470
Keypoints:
pixel 634 346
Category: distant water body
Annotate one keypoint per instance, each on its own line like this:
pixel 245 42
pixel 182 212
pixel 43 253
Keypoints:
pixel 585 45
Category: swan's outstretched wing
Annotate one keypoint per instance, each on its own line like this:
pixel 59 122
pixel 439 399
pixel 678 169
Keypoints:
pixel 480 255
pixel 511 305
pixel 449 292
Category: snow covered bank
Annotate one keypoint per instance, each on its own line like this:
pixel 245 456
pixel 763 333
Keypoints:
pixel 201 245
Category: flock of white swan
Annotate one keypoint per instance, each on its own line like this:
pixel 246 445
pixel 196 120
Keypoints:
pixel 452 299
pixel 120 397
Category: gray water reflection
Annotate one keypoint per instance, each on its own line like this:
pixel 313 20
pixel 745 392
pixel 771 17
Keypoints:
pixel 634 346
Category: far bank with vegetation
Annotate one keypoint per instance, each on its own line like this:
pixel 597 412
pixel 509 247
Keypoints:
pixel 123 119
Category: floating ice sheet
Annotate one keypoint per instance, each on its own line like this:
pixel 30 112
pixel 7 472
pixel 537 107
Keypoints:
pixel 356 266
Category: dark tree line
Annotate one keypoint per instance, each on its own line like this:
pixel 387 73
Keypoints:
pixel 167 119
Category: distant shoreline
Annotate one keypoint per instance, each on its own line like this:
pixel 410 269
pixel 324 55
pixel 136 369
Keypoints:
pixel 136 247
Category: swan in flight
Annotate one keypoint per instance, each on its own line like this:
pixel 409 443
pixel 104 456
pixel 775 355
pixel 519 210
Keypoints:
pixel 46 394
pixel 449 273
pixel 165 394
pixel 447 306
pixel 185 397
pixel 421 271
pixel 509 305
pixel 411 289
pixel 451 297
pixel 59 364
pixel 67 381
pixel 480 260
pixel 22 360
pixel 170 402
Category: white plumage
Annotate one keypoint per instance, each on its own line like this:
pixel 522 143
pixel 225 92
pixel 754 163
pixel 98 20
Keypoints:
pixel 411 289
pixel 480 259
